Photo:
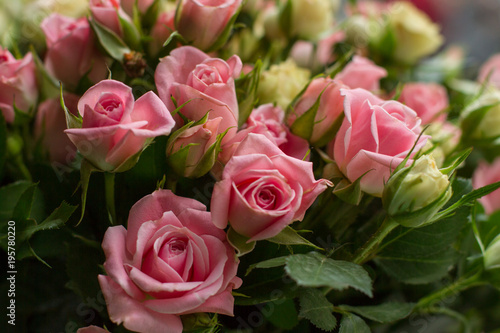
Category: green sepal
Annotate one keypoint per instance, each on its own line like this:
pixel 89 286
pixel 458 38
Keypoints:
pixel 86 170
pixel 48 85
pixel 246 90
pixel 239 242
pixel 110 42
pixel 349 192
pixel 226 33
pixel 175 36
pixel 131 35
pixel 462 156
pixel 72 121
pixel 289 236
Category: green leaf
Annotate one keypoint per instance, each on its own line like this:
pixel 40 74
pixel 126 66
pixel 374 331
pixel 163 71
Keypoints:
pixel 22 210
pixel 317 309
pixel 246 90
pixel 55 220
pixel 383 313
pixel 349 192
pixel 281 313
pixel 424 255
pixel 270 263
pixel 289 236
pixel 111 43
pixel 239 242
pixel 47 84
pixel 131 35
pixel 462 156
pixel 316 270
pixel 86 170
pixel 72 121
pixel 10 195
pixel 351 323
pixel 226 33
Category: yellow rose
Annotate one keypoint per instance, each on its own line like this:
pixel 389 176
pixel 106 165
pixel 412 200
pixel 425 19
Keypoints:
pixel 416 35
pixel 281 83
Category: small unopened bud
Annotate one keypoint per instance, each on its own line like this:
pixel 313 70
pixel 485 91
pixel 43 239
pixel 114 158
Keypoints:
pixel 134 64
pixel 492 254
pixel 414 194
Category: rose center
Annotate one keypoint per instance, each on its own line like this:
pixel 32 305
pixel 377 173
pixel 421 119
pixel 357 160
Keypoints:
pixel 208 75
pixel 3 58
pixel 267 199
pixel 111 106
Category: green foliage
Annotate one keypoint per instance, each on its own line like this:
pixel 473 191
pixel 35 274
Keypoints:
pixel 317 309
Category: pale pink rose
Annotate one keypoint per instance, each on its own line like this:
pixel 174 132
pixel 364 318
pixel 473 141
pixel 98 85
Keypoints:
pixel 329 113
pixel 486 174
pixel 268 120
pixel 50 124
pixel 374 138
pixel 108 13
pixel 199 139
pixel 362 73
pixel 171 261
pixel 162 29
pixel 18 84
pixel 491 70
pixel 205 83
pixel 115 127
pixel 201 22
pixel 306 55
pixel 92 329
pixel 428 100
pixel 71 50
pixel 263 190
pixel 142 5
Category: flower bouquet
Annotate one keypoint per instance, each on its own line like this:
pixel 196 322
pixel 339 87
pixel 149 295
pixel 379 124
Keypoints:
pixel 245 166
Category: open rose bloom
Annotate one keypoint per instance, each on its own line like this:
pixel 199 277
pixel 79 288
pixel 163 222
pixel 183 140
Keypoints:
pixel 171 260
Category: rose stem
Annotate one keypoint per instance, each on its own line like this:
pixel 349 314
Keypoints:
pixel 367 250
pixel 109 187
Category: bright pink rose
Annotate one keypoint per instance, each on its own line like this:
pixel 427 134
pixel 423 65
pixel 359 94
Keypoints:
pixel 91 329
pixel 374 138
pixel 263 190
pixel 108 13
pixel 428 100
pixel 206 84
pixel 491 71
pixel 486 174
pixel 362 73
pixel 17 84
pixel 171 261
pixel 268 120
pixel 114 127
pixel 203 21
pixel 50 124
pixel 329 111
pixel 71 51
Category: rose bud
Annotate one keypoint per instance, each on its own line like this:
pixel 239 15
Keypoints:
pixel 322 98
pixel 192 150
pixel 416 35
pixel 113 128
pixel 480 120
pixel 492 254
pixel 414 194
pixel 281 83
pixel 428 100
pixel 71 50
pixel 486 174
pixel 362 73
pixel 18 85
pixel 203 22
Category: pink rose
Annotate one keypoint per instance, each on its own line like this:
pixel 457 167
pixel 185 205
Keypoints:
pixel 50 124
pixel 263 190
pixel 328 115
pixel 374 138
pixel 114 127
pixel 108 13
pixel 17 84
pixel 71 51
pixel 92 329
pixel 268 120
pixel 486 174
pixel 142 5
pixel 203 21
pixel 362 73
pixel 198 140
pixel 162 29
pixel 171 261
pixel 491 70
pixel 428 100
pixel 206 84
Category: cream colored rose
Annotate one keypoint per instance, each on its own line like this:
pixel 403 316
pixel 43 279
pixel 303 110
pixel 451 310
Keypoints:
pixel 311 18
pixel 492 254
pixel 416 35
pixel 71 8
pixel 281 83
